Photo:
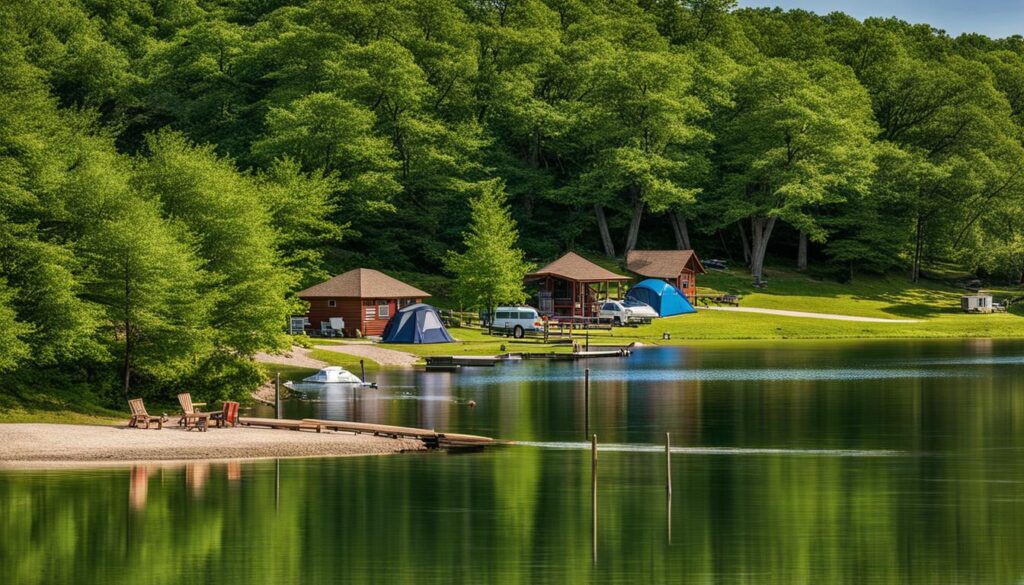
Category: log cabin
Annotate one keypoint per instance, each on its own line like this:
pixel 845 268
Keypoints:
pixel 676 267
pixel 366 299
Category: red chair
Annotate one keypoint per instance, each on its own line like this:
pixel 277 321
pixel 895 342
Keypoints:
pixel 228 414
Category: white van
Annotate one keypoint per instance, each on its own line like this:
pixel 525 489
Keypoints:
pixel 517 320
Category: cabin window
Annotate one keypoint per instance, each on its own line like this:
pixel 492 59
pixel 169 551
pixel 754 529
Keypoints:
pixel 686 284
pixel 383 310
pixel 369 312
pixel 332 303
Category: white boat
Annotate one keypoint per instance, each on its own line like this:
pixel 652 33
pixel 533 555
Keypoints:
pixel 334 375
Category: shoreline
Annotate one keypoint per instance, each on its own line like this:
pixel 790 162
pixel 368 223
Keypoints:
pixel 45 445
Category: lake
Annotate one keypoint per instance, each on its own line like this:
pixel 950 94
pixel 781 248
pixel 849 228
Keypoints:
pixel 795 462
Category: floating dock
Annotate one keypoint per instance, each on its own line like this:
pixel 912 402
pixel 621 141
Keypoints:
pixel 431 438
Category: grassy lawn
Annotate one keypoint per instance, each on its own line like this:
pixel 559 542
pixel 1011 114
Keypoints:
pixel 66 417
pixel 892 297
pixel 349 362
pixel 52 405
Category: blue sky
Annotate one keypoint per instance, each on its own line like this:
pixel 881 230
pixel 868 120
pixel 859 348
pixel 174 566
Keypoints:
pixel 995 18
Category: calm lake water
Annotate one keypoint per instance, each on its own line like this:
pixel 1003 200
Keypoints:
pixel 873 462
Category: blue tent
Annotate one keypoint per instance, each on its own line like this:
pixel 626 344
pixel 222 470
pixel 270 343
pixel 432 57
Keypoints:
pixel 417 323
pixel 661 296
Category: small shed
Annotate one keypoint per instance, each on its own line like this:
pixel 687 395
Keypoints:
pixel 360 299
pixel 661 296
pixel 572 286
pixel 976 303
pixel 676 267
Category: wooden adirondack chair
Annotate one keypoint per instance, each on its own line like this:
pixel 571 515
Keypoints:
pixel 139 415
pixel 228 414
pixel 191 419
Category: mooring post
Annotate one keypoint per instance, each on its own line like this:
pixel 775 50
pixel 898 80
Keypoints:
pixel 593 496
pixel 586 400
pixel 668 463
pixel 277 396
pixel 362 371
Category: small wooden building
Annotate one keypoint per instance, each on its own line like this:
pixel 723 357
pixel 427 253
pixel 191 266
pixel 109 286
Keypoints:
pixel 573 286
pixel 676 267
pixel 365 299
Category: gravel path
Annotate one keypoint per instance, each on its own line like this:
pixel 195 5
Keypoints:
pixel 35 445
pixel 831 316
pixel 384 357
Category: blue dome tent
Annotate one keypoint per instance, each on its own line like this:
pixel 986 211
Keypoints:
pixel 661 296
pixel 417 323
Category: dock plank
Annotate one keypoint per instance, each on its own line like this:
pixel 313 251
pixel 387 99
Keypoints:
pixel 430 437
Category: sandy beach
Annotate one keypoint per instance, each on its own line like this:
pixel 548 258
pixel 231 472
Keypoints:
pixel 55 445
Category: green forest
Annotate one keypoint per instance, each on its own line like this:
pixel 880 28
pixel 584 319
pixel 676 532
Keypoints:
pixel 172 171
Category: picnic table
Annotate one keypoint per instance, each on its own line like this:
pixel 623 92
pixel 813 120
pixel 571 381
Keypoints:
pixel 706 300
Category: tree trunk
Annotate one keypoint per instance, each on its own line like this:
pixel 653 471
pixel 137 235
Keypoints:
pixel 634 224
pixel 915 270
pixel 801 253
pixel 680 229
pixel 761 228
pixel 127 358
pixel 746 244
pixel 602 226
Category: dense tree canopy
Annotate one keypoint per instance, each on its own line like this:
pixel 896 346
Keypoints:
pixel 171 172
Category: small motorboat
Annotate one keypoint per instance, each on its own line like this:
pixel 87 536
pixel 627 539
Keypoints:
pixel 334 375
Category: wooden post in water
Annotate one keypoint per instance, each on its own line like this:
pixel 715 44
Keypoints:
pixel 668 463
pixel 362 371
pixel 586 401
pixel 277 485
pixel 593 496
pixel 277 396
pixel 668 517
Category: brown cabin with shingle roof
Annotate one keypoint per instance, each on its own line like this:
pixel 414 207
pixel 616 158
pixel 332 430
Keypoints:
pixel 572 286
pixel 676 267
pixel 366 299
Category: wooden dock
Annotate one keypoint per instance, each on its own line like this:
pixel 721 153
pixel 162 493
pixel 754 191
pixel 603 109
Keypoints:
pixel 431 438
pixel 452 363
pixel 457 361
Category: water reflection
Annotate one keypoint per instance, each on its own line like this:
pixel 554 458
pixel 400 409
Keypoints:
pixel 138 486
pixel 818 480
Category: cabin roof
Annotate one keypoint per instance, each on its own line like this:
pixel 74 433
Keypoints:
pixel 572 266
pixel 662 263
pixel 362 283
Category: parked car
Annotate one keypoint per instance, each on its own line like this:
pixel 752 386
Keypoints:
pixel 518 320
pixel 715 263
pixel 627 311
